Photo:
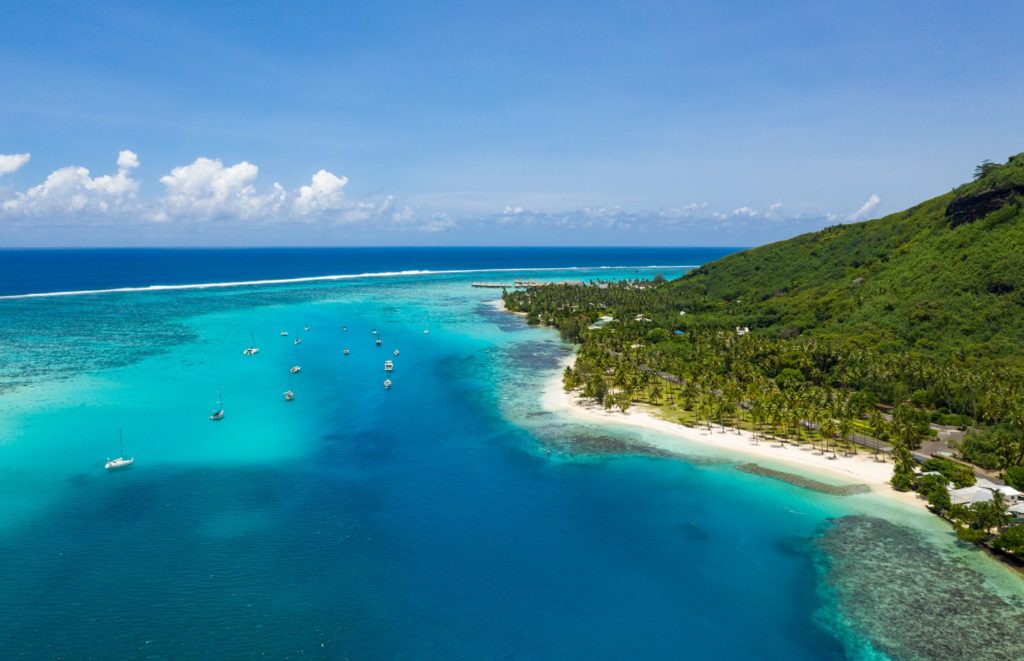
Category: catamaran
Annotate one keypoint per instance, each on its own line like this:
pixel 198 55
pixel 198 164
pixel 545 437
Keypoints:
pixel 284 333
pixel 218 413
pixel 122 461
pixel 252 349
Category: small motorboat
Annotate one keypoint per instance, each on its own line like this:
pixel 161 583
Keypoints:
pixel 396 352
pixel 288 395
pixel 378 342
pixel 295 369
pixel 345 352
pixel 344 329
pixel 298 341
pixel 251 351
pixel 387 383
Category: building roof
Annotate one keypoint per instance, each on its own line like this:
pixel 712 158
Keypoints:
pixel 969 495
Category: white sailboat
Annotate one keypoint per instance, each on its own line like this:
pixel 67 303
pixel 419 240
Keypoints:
pixel 288 394
pixel 306 327
pixel 295 369
pixel 387 383
pixel 298 340
pixel 378 341
pixel 396 352
pixel 218 413
pixel 426 328
pixel 122 461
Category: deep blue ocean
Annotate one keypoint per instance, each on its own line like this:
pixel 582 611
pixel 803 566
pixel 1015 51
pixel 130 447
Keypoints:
pixel 451 516
pixel 54 270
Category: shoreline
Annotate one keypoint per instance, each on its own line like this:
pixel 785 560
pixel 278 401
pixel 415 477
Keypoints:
pixel 679 439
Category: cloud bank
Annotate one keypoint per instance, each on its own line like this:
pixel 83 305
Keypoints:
pixel 208 200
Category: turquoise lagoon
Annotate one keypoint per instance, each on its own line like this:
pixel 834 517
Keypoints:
pixel 450 516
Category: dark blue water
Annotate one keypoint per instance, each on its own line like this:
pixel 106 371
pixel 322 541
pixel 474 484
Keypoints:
pixel 29 271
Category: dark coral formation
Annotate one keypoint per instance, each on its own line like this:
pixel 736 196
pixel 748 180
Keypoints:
pixel 912 600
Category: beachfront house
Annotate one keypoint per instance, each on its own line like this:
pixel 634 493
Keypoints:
pixel 742 330
pixel 1010 494
pixel 982 491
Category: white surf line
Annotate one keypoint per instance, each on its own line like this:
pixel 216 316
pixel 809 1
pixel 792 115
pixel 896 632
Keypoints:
pixel 330 278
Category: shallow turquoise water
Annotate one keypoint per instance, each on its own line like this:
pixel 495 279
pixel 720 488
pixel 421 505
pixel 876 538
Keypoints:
pixel 447 517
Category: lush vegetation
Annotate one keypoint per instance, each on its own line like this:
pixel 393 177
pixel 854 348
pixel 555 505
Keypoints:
pixel 861 333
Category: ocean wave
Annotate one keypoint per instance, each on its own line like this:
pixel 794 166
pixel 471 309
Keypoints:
pixel 330 278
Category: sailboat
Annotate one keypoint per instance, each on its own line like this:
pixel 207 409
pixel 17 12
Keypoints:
pixel 298 340
pixel 288 394
pixel 396 352
pixel 387 383
pixel 345 352
pixel 295 369
pixel 378 341
pixel 306 327
pixel 218 414
pixel 426 328
pixel 122 461
pixel 252 349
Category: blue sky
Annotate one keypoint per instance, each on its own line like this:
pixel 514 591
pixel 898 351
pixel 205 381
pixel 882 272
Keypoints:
pixel 644 123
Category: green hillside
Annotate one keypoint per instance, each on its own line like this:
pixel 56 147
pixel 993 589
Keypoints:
pixel 920 312
pixel 944 277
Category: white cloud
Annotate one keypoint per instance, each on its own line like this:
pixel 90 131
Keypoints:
pixel 72 190
pixel 865 208
pixel 127 160
pixel 513 211
pixel 775 207
pixel 323 194
pixel 745 211
pixel 207 189
pixel 12 162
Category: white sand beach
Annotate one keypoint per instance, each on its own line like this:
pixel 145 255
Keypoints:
pixel 859 469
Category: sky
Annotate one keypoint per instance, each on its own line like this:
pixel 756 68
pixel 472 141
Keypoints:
pixel 498 123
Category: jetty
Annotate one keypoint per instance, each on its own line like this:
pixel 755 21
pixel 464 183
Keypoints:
pixel 525 284
pixel 493 285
